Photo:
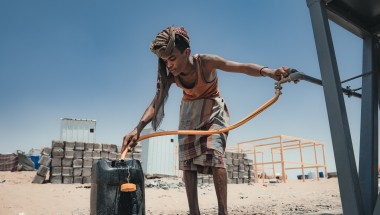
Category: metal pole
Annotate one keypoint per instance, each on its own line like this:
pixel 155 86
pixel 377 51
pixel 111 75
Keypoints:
pixel 368 159
pixel 336 110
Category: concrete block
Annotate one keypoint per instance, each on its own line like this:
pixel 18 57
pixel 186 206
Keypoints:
pixel 235 168
pixel 97 147
pixel 247 180
pixel 67 162
pixel 56 179
pixel 55 162
pixel 87 154
pixel 113 156
pixel 67 171
pixel 96 155
pixel 57 144
pixel 86 171
pixel 235 155
pixel 78 154
pixel 245 175
pixel 38 179
pixel 235 174
pixel 46 151
pixel 241 168
pixel 235 162
pixel 113 148
pixel 230 167
pixel 42 170
pixel 56 171
pixel 79 146
pixel 86 179
pixel 104 155
pixel 137 156
pixel 240 155
pixel 241 175
pixel 241 161
pixel 68 180
pixel 44 160
pixel 78 179
pixel 69 146
pixel 87 162
pixel 77 172
pixel 57 152
pixel 138 148
pixel 77 163
pixel 229 161
pixel 229 174
pixel 105 147
pixel 69 154
pixel 228 155
pixel 89 147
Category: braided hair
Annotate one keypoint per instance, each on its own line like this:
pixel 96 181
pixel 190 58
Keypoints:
pixel 163 46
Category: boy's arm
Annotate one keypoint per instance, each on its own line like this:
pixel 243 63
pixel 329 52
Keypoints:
pixel 130 139
pixel 213 62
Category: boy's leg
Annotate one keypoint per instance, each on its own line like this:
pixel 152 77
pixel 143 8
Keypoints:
pixel 191 182
pixel 220 183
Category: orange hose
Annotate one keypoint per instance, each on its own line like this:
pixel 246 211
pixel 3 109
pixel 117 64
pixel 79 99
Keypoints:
pixel 209 132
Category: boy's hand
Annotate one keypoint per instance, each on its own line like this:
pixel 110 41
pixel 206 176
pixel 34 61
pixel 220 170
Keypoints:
pixel 278 74
pixel 130 140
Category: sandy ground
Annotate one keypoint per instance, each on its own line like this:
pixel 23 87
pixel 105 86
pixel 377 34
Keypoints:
pixel 18 196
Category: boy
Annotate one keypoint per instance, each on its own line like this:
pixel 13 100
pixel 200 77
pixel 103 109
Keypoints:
pixel 202 108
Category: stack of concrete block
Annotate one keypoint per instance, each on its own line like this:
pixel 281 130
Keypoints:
pixel 239 169
pixel 72 161
pixel 44 163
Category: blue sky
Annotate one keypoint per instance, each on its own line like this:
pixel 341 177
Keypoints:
pixel 91 60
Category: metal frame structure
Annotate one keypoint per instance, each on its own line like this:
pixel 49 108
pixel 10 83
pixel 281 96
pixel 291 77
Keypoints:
pixel 280 145
pixel 359 192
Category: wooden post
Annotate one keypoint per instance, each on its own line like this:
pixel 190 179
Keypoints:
pixel 282 160
pixel 254 157
pixel 302 166
pixel 262 166
pixel 316 161
pixel 324 160
pixel 274 172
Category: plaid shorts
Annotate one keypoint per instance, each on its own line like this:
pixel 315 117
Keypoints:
pixel 196 152
pixel 204 163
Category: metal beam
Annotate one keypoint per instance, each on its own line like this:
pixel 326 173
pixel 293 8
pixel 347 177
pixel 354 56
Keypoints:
pixel 368 159
pixel 340 133
pixel 376 71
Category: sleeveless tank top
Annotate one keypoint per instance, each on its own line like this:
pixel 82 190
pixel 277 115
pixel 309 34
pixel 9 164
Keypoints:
pixel 202 89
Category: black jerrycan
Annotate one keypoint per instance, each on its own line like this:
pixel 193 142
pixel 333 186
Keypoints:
pixel 107 198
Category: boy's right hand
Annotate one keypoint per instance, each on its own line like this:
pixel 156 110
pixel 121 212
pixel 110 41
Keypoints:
pixel 130 140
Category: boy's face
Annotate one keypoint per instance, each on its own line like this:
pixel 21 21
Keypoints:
pixel 177 61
